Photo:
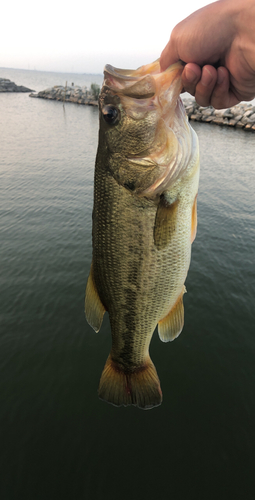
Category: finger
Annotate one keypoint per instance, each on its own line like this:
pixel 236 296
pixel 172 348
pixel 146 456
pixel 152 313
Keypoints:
pixel 190 77
pixel 205 86
pixel 222 97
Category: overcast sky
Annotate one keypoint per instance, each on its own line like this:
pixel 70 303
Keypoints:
pixel 82 36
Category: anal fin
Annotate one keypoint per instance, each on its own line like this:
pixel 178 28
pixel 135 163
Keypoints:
pixel 171 326
pixel 94 309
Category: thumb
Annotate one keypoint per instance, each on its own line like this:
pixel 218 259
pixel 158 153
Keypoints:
pixel 169 55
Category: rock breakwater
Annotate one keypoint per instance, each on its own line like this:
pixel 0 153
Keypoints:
pixel 8 86
pixel 75 93
pixel 240 116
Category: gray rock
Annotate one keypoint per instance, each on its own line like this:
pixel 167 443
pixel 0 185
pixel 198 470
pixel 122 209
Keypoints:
pixel 248 113
pixel 219 112
pixel 237 117
pixel 227 114
pixel 208 119
pixel 245 120
pixel 219 120
pixel 207 111
pixel 232 122
pixel 7 86
pixel 189 109
pixel 239 125
pixel 196 116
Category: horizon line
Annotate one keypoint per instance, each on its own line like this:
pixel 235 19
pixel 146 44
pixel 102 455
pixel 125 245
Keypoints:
pixel 51 71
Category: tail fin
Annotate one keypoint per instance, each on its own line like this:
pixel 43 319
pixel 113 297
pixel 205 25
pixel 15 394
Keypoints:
pixel 139 388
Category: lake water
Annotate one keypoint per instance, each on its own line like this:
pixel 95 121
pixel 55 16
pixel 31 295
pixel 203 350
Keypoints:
pixel 58 441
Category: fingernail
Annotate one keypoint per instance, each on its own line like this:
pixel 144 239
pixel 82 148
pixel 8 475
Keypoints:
pixel 206 77
pixel 190 75
pixel 220 76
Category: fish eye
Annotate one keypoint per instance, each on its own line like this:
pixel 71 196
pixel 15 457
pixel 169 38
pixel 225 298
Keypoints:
pixel 110 114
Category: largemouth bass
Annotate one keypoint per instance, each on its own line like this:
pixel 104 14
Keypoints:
pixel 144 222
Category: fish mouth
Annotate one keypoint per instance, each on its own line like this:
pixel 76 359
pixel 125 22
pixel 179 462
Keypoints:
pixel 152 68
pixel 150 89
pixel 145 82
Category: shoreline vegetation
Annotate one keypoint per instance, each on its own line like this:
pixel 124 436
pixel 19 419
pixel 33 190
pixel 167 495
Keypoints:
pixel 241 116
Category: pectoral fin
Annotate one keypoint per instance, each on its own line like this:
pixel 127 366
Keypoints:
pixel 165 222
pixel 94 309
pixel 171 326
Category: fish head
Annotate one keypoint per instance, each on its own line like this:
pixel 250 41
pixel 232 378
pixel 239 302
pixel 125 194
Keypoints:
pixel 143 126
pixel 128 112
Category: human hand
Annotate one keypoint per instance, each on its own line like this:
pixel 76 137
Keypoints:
pixel 222 35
